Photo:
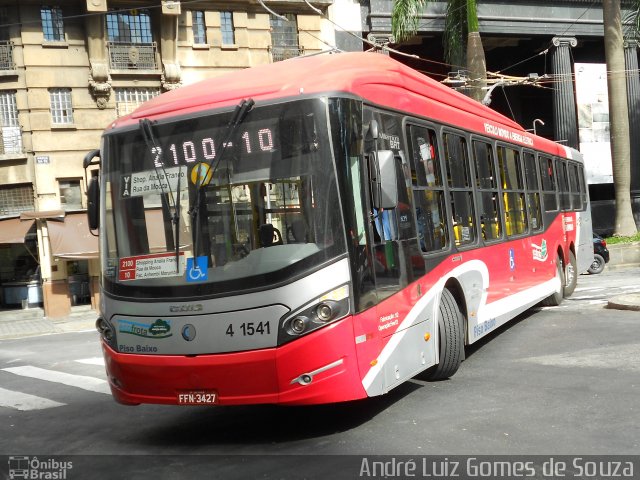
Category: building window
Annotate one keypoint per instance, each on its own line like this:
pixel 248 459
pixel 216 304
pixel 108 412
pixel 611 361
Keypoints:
pixel 284 38
pixel 61 109
pixel 133 26
pixel 52 24
pixel 10 134
pixel 4 22
pixel 70 194
pixel 199 27
pixel 130 41
pixel 128 99
pixel 15 199
pixel 226 27
pixel 6 45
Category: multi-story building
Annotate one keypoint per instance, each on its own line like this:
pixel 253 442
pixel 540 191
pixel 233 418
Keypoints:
pixel 69 68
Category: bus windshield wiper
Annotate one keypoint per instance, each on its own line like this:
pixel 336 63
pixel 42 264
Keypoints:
pixel 174 202
pixel 237 117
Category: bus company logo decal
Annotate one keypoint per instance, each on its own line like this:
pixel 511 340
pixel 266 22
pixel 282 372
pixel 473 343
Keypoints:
pixel 540 252
pixel 519 137
pixel 158 329
pixel 197 307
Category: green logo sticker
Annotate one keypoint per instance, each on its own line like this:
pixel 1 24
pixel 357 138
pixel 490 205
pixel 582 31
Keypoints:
pixel 158 329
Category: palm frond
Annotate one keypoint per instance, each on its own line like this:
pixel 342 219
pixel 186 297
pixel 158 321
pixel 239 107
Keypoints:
pixel 405 18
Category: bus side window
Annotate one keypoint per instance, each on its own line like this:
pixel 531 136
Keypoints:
pixel 488 196
pixel 563 185
pixel 515 210
pixel 574 186
pixel 549 198
pixel 533 191
pixel 428 189
pixel 461 190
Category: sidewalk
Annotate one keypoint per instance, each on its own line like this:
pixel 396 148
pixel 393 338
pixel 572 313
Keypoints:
pixel 630 301
pixel 31 321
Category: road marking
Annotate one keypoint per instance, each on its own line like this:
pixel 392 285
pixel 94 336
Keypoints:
pixel 92 361
pixel 24 401
pixel 91 384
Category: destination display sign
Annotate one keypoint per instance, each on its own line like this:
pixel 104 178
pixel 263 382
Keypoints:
pixel 151 266
pixel 153 182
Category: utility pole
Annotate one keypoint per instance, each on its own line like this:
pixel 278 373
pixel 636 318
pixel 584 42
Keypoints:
pixel 618 117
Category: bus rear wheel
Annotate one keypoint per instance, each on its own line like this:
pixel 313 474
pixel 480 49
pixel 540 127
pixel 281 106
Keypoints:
pixel 451 338
pixel 555 298
pixel 570 275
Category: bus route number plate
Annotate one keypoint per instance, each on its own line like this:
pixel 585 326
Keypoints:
pixel 198 397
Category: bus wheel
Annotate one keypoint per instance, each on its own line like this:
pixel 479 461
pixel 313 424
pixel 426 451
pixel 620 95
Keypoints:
pixel 570 275
pixel 451 335
pixel 555 298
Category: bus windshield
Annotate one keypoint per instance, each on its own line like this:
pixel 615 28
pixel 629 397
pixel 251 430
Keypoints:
pixel 200 207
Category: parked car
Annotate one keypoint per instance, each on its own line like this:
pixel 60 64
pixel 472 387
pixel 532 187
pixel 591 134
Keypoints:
pixel 600 255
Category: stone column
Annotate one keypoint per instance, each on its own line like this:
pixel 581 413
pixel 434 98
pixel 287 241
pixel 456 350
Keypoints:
pixel 169 45
pixel 564 100
pixel 99 78
pixel 633 101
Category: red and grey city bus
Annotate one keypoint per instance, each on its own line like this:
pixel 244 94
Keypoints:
pixel 321 230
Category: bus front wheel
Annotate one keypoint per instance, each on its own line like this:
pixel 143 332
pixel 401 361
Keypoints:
pixel 451 338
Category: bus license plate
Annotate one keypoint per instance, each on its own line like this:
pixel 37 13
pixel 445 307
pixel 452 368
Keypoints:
pixel 199 397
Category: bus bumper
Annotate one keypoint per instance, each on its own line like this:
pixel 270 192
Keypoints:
pixel 318 368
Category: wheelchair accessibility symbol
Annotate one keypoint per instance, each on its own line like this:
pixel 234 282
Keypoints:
pixel 197 271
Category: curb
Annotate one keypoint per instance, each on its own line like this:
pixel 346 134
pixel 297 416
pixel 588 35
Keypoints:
pixel 629 301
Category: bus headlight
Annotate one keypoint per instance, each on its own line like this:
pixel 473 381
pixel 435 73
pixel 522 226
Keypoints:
pixel 298 325
pixel 324 312
pixel 106 331
pixel 326 309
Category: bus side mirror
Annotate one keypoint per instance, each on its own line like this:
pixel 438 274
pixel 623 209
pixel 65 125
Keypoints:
pixel 384 186
pixel 88 158
pixel 93 204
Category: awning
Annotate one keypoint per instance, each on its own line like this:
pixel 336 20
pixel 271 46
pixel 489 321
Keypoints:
pixel 13 230
pixel 72 238
pixel 55 214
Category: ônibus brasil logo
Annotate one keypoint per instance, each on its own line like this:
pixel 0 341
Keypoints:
pixel 34 468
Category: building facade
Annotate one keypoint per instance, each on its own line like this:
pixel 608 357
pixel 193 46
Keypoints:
pixel 68 69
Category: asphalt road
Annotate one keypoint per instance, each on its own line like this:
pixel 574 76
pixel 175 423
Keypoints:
pixel 556 381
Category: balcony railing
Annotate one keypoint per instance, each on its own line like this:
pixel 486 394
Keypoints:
pixel 283 53
pixel 6 55
pixel 10 140
pixel 133 56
